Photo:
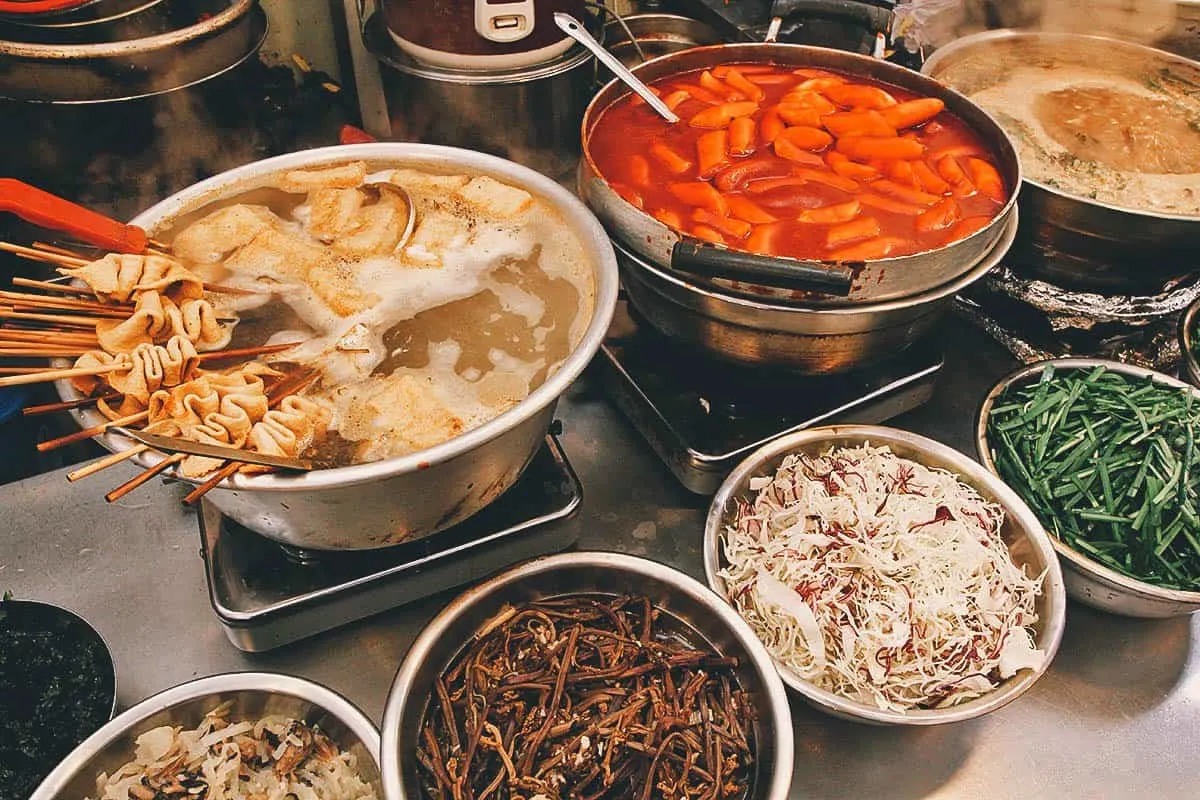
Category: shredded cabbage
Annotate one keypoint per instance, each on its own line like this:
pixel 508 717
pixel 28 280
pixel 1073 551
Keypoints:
pixel 274 758
pixel 881 580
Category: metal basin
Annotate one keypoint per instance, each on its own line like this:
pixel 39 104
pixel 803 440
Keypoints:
pixel 1027 541
pixel 410 497
pixel 1067 239
pixel 810 340
pixel 680 596
pixel 876 281
pixel 1087 581
pixel 254 694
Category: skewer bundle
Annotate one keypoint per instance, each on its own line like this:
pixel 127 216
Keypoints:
pixel 139 333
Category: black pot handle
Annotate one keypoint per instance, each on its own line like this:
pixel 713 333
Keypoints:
pixel 711 261
pixel 876 18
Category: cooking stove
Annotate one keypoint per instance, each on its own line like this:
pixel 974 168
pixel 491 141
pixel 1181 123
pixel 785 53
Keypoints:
pixel 702 416
pixel 267 595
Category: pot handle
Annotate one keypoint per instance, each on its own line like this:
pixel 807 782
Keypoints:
pixel 49 211
pixel 784 273
pixel 864 12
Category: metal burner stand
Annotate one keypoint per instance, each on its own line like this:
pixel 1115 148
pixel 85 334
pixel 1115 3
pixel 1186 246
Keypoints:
pixel 266 595
pixel 702 417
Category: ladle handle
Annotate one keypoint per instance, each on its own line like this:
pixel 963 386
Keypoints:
pixel 575 29
pixel 52 212
pixel 784 273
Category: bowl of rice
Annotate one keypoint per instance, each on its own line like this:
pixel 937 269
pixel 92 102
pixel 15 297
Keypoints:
pixel 241 736
pixel 894 580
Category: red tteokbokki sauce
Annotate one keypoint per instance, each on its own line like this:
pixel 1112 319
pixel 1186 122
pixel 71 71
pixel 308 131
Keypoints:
pixel 805 163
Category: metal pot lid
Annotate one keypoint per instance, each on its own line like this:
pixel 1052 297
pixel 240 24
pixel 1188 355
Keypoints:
pixel 40 7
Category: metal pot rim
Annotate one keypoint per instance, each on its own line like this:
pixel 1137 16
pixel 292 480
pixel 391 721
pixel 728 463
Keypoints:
pixel 1187 347
pixel 1014 507
pixel 985 265
pixel 588 228
pixel 1078 560
pixel 162 41
pixel 777 785
pixel 958 46
pixel 267 682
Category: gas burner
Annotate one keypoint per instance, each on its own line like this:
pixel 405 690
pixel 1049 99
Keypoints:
pixel 702 416
pixel 1035 319
pixel 266 595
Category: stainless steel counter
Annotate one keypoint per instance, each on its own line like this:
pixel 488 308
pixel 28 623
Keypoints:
pixel 1117 716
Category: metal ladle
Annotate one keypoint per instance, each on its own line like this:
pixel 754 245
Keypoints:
pixel 575 29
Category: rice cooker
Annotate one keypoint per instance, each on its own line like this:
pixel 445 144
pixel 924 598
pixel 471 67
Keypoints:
pixel 479 34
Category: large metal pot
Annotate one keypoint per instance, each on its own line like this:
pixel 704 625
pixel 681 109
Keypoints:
pixel 112 21
pixel 806 340
pixel 1067 239
pixel 409 497
pixel 875 281
pixel 527 114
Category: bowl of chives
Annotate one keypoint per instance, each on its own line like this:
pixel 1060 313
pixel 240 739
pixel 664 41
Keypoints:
pixel 1108 457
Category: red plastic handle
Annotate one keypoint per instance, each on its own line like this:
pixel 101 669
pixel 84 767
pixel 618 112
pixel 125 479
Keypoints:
pixel 39 6
pixel 54 213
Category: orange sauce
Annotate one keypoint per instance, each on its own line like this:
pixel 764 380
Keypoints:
pixel 805 163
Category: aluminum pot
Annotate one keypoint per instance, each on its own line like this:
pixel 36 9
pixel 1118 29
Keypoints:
pixel 135 68
pixel 1069 240
pixel 1088 581
pixel 409 497
pixel 529 115
pixel 815 340
pixel 875 281
pixel 112 21
pixel 678 595
pixel 657 35
pixel 253 695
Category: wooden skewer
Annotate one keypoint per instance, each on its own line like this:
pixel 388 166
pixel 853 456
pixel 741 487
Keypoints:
pixel 67 405
pixel 243 352
pixel 62 251
pixel 24 298
pixel 216 288
pixel 215 480
pixel 42 375
pixel 47 286
pixel 95 430
pixel 34 351
pixel 20 371
pixel 56 319
pixel 110 313
pixel 127 487
pixel 43 255
pixel 106 462
pixel 9 336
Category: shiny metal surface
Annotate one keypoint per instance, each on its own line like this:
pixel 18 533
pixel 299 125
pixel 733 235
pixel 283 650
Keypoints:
pixel 604 573
pixel 657 34
pixel 877 281
pixel 135 68
pixel 816 340
pixel 406 498
pixel 1189 320
pixel 1115 717
pixel 529 115
pixel 253 694
pixel 112 21
pixel 1087 581
pixel 1069 240
pixel 1027 541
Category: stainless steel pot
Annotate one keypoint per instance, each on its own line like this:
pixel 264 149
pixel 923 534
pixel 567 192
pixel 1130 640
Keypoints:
pixel 253 695
pixel 1069 240
pixel 875 281
pixel 810 340
pixel 657 35
pixel 135 68
pixel 529 115
pixel 671 591
pixel 112 21
pixel 406 498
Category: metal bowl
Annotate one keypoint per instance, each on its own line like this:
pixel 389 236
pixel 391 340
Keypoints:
pixel 1069 240
pixel 409 497
pixel 1027 542
pixel 592 573
pixel 657 34
pixel 254 694
pixel 1188 344
pixel 1088 582
pixel 876 281
pixel 759 332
